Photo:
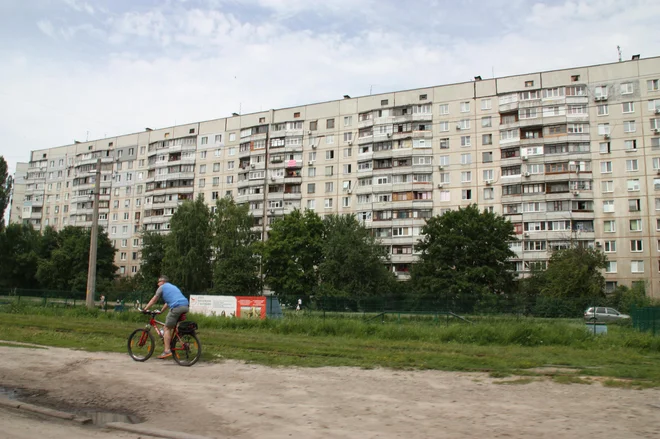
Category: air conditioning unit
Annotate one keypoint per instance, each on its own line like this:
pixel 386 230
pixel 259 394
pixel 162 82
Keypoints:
pixel 606 136
pixel 599 244
pixel 489 182
pixel 440 185
pixel 656 130
pixel 350 190
pixel 252 165
pixel 272 178
pixel 313 145
pixel 526 234
pixel 350 142
pixel 310 163
pixel 441 167
pixel 309 132
pixel 389 134
pixel 657 111
pixel 458 127
pixel 658 171
pixel 524 158
pixel 526 174
pixel 576 193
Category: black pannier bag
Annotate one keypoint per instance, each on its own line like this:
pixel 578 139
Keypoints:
pixel 187 327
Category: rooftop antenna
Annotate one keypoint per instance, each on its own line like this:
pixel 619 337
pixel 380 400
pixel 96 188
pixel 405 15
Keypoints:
pixel 370 89
pixel 618 49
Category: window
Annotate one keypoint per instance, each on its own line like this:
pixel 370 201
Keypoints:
pixel 465 141
pixel 636 245
pixel 230 179
pixel 218 138
pixel 466 194
pixel 329 187
pixel 529 83
pixel 202 169
pixel 602 110
pixel 486 104
pixel 466 176
pixel 628 107
pixel 656 163
pixel 444 126
pixel 632 165
pixel 605 167
pixel 384 102
pixel 600 91
pixel 630 145
pixel 311 172
pixel 205 140
pixel 629 126
pixel 488 174
pixel 610 267
pixel 605 147
pixel 610 246
pixel 465 107
pixel 489 193
pixel 444 109
pixel 328 203
pixel 633 185
pixel 609 226
pixel 608 206
pixel 637 266
pixel 652 85
pixel 423 97
pixel 486 139
pixel 464 124
pixel 328 171
pixel 232 137
pixel 311 188
pixel 330 124
pixel 487 157
pixel 626 88
pixel 466 159
pixel 444 143
pixel 603 129
pixel 635 225
pixel 329 140
pixel 202 182
pixel 348 137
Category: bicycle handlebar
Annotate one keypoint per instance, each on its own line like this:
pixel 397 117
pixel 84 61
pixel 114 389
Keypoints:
pixel 146 311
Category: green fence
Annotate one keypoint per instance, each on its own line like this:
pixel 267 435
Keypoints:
pixel 646 319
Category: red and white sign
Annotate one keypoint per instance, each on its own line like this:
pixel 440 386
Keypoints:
pixel 229 306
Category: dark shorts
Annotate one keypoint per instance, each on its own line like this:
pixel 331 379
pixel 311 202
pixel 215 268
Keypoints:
pixel 173 315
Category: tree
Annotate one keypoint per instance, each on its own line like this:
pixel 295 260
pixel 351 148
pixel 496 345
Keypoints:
pixel 463 256
pixel 235 267
pixel 574 273
pixel 19 256
pixel 151 264
pixel 5 190
pixel 66 267
pixel 353 263
pixel 187 259
pixel 292 254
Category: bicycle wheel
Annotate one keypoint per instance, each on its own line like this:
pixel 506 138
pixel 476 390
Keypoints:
pixel 141 345
pixel 186 349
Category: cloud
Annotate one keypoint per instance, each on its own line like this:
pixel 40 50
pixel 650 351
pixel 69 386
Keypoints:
pixel 80 6
pixel 46 27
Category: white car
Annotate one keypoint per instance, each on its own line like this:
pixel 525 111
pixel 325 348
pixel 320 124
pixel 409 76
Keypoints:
pixel 604 314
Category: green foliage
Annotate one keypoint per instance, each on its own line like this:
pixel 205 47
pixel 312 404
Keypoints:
pixel 235 267
pixel 292 254
pixel 464 255
pixel 151 265
pixel 353 263
pixel 187 259
pixel 5 190
pixel 573 273
pixel 65 267
pixel 19 256
pixel 625 299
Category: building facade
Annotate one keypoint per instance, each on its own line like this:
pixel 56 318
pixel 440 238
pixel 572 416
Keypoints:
pixel 569 156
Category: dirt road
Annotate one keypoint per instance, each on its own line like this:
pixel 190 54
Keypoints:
pixel 233 399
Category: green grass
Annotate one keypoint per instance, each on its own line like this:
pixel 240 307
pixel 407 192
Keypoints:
pixel 569 379
pixel 515 382
pixel 500 347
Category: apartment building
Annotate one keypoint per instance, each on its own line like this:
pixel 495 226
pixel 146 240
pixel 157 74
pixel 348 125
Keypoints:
pixel 18 194
pixel 569 156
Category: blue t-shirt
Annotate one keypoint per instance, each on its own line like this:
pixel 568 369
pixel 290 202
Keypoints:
pixel 171 295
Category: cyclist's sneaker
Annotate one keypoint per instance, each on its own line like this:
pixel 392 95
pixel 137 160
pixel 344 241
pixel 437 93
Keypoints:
pixel 165 355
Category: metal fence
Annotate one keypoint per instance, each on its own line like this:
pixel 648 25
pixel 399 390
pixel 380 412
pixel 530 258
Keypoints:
pixel 646 319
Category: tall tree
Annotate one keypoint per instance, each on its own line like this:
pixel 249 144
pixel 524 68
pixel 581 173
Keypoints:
pixel 463 256
pixel 5 190
pixel 235 267
pixel 292 254
pixel 66 267
pixel 151 264
pixel 188 247
pixel 574 273
pixel 353 262
pixel 19 256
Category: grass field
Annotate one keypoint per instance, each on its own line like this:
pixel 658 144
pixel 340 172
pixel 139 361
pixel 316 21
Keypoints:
pixel 504 347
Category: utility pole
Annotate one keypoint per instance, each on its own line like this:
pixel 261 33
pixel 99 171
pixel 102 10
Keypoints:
pixel 91 271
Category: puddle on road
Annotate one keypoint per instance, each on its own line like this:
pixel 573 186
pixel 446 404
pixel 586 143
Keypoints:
pixel 9 393
pixel 101 418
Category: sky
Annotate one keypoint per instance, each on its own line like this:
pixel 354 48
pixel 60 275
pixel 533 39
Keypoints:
pixel 84 69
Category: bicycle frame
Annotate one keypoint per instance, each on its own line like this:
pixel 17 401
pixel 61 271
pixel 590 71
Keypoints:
pixel 153 323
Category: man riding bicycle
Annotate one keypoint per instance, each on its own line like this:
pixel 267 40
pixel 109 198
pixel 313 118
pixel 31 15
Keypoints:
pixel 178 305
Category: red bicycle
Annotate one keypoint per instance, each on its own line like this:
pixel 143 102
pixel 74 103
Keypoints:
pixel 185 346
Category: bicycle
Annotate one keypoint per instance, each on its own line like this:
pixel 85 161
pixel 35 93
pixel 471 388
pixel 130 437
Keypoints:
pixel 185 346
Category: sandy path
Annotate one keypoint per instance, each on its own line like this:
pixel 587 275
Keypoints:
pixel 234 399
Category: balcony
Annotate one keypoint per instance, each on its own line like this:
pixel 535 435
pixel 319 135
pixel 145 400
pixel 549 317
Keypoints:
pixel 365 139
pixel 402 259
pixel 365 123
pixel 530 122
pixel 293 164
pixel 403 118
pixel 398 135
pixel 422 116
pixel 506 107
pixel 293 196
pixel 425 134
pixel 175 176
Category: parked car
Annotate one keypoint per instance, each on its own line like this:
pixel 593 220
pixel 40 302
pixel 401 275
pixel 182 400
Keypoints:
pixel 604 314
